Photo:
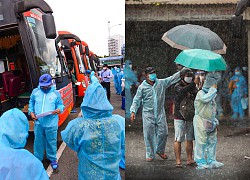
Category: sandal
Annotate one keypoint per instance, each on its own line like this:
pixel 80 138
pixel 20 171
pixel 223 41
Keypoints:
pixel 163 156
pixel 54 165
pixel 149 159
pixel 178 165
pixel 192 164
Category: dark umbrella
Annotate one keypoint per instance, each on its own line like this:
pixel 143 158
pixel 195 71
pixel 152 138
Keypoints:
pixel 194 37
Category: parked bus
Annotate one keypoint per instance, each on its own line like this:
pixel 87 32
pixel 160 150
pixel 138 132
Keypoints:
pixel 89 57
pixel 27 50
pixel 95 60
pixel 112 61
pixel 77 53
pixel 72 48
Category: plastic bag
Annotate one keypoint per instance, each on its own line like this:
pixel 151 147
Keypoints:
pixel 209 125
pixel 244 102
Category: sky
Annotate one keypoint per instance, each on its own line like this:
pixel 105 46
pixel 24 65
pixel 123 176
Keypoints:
pixel 88 19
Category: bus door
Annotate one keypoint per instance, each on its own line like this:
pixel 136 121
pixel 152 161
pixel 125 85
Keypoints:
pixel 80 70
pixel 84 55
pixel 14 72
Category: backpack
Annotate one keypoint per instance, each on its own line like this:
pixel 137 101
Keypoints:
pixel 187 109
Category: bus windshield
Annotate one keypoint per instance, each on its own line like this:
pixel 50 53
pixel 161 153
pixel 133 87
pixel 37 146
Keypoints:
pixel 44 49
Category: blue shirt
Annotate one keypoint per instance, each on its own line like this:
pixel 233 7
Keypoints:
pixel 106 75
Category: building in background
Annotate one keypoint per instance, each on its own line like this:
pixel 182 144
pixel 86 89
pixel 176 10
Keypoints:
pixel 123 49
pixel 115 44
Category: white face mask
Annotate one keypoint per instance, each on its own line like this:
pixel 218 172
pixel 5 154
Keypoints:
pixel 130 66
pixel 201 78
pixel 188 79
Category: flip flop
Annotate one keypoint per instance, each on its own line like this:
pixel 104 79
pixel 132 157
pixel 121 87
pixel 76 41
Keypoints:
pixel 192 164
pixel 149 159
pixel 178 165
pixel 163 156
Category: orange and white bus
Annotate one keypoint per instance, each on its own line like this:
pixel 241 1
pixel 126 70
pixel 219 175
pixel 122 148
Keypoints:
pixel 77 53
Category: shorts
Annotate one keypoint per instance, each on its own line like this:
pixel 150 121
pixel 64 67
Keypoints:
pixel 184 130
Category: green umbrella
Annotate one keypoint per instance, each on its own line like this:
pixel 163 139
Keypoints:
pixel 205 60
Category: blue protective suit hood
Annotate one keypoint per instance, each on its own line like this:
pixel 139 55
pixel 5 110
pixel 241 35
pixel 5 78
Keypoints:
pixel 14 127
pixel 239 71
pixel 93 79
pixel 95 103
pixel 238 68
pixel 127 69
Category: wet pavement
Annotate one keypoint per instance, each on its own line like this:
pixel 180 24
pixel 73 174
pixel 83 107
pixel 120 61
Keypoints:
pixel 233 145
pixel 68 162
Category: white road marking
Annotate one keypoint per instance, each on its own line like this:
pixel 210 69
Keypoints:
pixel 58 155
pixel 49 170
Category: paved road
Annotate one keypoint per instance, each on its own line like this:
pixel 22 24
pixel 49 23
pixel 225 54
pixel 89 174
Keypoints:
pixel 233 145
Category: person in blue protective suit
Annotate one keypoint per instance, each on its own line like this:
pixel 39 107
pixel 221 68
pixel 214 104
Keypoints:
pixel 119 80
pixel 205 123
pixel 98 137
pixel 239 92
pixel 116 83
pixel 92 77
pixel 151 93
pixel 130 79
pixel 44 99
pixel 16 162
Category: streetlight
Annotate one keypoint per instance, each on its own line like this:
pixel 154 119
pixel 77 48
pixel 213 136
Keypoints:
pixel 109 28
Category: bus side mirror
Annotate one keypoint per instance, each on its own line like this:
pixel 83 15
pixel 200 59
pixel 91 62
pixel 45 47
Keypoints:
pixel 49 26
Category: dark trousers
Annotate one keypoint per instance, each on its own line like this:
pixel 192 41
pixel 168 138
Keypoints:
pixel 74 95
pixel 106 85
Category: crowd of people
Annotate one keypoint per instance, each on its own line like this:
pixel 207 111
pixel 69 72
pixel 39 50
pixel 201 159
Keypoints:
pixel 98 135
pixel 198 101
